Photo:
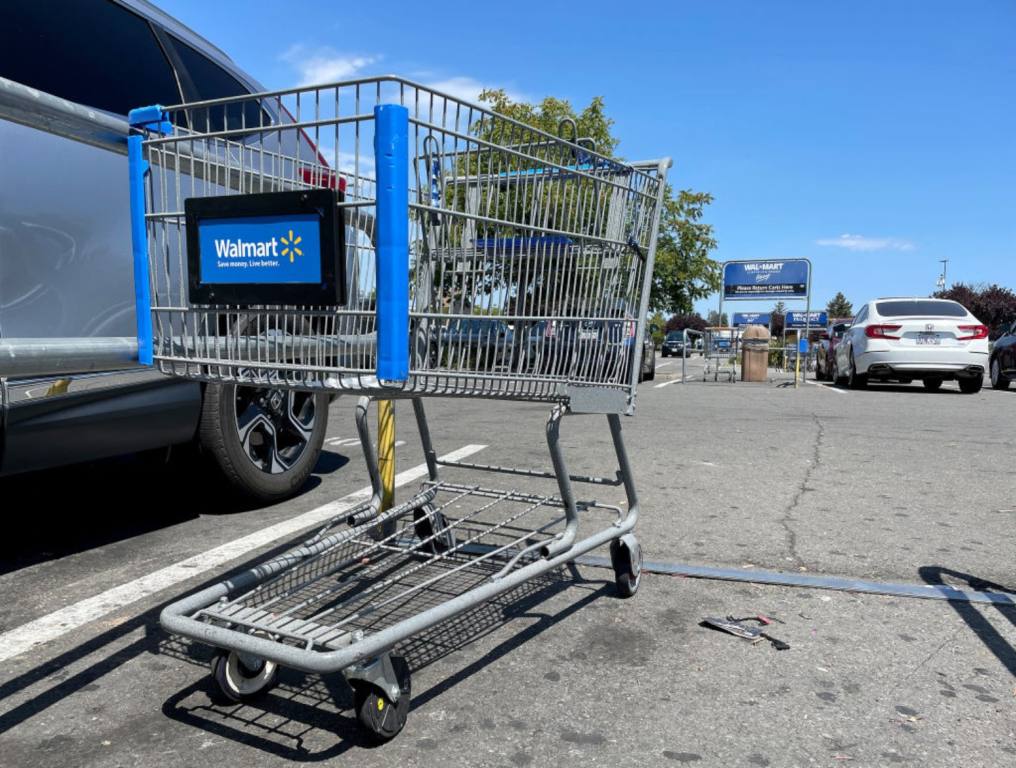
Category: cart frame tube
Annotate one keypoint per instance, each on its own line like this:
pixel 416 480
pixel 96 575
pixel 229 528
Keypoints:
pixel 391 157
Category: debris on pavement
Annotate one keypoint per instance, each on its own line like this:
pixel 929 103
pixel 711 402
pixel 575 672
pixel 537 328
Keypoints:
pixel 738 628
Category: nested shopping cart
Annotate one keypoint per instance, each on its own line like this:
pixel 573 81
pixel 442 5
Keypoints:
pixel 380 238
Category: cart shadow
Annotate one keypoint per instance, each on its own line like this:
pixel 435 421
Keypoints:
pixel 972 615
pixel 309 718
pixel 114 486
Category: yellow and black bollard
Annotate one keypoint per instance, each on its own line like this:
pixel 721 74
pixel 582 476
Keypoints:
pixel 386 452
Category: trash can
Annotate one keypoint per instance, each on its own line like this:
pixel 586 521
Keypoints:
pixel 755 353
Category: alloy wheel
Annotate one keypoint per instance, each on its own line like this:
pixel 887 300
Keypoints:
pixel 274 426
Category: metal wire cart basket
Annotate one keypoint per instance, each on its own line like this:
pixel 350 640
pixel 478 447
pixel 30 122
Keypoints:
pixel 379 238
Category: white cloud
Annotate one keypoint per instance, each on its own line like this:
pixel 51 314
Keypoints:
pixel 467 88
pixel 325 65
pixel 862 243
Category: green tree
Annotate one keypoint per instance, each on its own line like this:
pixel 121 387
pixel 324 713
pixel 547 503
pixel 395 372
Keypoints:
pixel 716 320
pixel 993 305
pixel 657 319
pixel 838 306
pixel 683 272
pixel 694 320
pixel 777 319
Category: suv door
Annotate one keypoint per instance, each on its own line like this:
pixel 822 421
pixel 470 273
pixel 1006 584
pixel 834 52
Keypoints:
pixel 65 250
pixel 65 253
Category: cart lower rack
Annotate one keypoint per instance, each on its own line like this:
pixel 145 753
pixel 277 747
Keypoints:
pixel 366 581
pixel 379 238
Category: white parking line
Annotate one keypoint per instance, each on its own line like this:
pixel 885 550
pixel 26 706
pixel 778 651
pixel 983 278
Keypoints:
pixel 678 380
pixel 53 625
pixel 664 365
pixel 830 387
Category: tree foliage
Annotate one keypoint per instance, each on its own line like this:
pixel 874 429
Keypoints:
pixel 683 272
pixel 592 121
pixel 715 320
pixel 993 305
pixel 777 319
pixel 838 306
pixel 692 320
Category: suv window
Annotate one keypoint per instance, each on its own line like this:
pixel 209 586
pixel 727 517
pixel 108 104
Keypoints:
pixel 204 79
pixel 93 52
pixel 920 308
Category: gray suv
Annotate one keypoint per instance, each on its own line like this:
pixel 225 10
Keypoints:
pixel 69 73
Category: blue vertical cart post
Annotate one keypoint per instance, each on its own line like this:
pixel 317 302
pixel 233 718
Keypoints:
pixel 151 119
pixel 391 157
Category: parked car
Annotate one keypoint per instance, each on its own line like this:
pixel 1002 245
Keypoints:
pixel 902 339
pixel 825 350
pixel 490 338
pixel 673 344
pixel 555 347
pixel 1002 364
pixel 68 77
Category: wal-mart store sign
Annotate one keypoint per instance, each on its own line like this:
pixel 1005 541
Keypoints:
pixel 261 249
pixel 804 319
pixel 785 279
pixel 751 318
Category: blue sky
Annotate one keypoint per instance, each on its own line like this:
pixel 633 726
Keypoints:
pixel 872 137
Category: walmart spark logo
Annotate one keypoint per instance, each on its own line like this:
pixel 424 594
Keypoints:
pixel 289 246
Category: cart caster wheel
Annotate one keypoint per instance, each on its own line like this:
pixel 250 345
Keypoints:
pixel 626 559
pixel 382 720
pixel 241 677
pixel 427 520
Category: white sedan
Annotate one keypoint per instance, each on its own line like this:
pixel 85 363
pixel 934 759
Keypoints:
pixel 933 340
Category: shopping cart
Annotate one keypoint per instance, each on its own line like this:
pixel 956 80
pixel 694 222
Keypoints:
pixel 720 351
pixel 379 238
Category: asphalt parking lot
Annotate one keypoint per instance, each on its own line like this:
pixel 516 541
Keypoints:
pixel 891 484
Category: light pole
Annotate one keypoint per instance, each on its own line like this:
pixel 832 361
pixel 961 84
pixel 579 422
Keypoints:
pixel 941 278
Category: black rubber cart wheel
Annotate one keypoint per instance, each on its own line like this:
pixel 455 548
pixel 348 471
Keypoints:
pixel 627 567
pixel 426 522
pixel 381 718
pixel 241 677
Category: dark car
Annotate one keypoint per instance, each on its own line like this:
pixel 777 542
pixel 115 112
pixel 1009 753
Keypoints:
pixel 674 344
pixel 825 350
pixel 490 338
pixel 557 348
pixel 69 74
pixel 1002 363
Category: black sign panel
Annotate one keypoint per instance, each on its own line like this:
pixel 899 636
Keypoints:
pixel 270 248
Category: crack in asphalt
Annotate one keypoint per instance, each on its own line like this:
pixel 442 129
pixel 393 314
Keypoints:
pixel 787 518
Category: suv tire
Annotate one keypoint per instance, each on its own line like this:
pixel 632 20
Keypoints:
pixel 266 442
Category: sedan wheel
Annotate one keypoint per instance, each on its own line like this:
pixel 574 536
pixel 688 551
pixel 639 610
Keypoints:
pixel 855 380
pixel 998 379
pixel 971 385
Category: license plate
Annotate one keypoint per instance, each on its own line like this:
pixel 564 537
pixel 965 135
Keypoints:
pixel 587 335
pixel 928 338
